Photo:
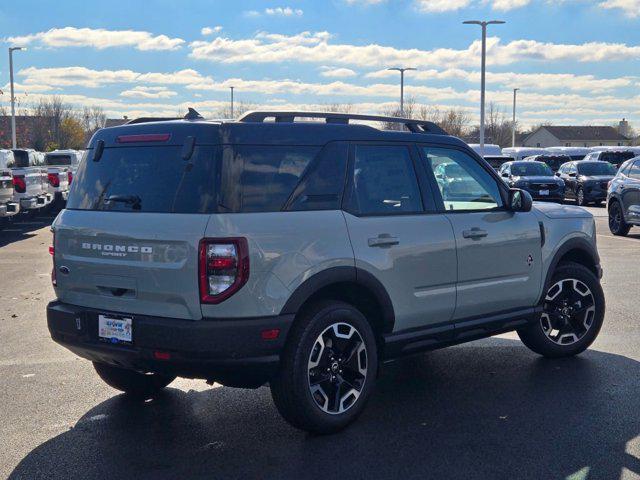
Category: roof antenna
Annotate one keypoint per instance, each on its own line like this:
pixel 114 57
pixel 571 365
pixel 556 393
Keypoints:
pixel 192 114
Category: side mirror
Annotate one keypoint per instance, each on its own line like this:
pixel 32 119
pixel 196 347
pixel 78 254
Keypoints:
pixel 557 174
pixel 573 174
pixel 520 200
pixel 505 175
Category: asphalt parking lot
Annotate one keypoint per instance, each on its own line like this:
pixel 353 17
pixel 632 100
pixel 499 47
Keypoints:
pixel 489 409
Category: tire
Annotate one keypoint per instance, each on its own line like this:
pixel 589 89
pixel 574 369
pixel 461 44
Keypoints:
pixel 135 384
pixel 617 224
pixel 325 408
pixel 577 322
pixel 580 200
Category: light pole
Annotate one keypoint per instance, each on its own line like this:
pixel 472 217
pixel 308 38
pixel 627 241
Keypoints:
pixel 401 70
pixel 482 73
pixel 513 124
pixel 13 98
pixel 232 101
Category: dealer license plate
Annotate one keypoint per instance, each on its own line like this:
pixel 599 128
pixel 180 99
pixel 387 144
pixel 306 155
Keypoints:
pixel 544 192
pixel 115 330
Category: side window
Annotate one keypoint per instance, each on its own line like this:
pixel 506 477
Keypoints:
pixel 322 185
pixel 635 170
pixel 573 169
pixel 625 169
pixel 259 178
pixel 384 181
pixel 463 183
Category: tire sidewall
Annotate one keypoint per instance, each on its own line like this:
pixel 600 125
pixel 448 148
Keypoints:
pixel 321 318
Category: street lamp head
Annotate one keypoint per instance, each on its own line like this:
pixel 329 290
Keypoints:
pixel 11 49
pixel 472 22
pixel 496 22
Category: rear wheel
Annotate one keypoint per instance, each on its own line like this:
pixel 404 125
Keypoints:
pixel 136 384
pixel 617 225
pixel 573 311
pixel 328 369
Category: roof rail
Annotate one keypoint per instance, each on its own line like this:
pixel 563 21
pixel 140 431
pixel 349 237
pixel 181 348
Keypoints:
pixel 151 119
pixel 414 126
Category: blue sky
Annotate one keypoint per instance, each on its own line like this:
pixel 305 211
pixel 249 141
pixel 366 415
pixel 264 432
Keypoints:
pixel 576 61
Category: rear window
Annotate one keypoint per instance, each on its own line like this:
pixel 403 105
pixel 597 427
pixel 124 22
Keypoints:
pixel 147 179
pixel 596 168
pixel 496 162
pixel 616 158
pixel 554 162
pixel 224 179
pixel 57 159
pixel 21 158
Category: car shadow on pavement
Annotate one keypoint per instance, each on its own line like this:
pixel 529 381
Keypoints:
pixel 487 410
pixel 24 227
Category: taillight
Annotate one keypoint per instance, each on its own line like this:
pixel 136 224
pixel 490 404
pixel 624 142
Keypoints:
pixel 70 177
pixel 223 269
pixel 52 251
pixel 19 184
pixel 54 180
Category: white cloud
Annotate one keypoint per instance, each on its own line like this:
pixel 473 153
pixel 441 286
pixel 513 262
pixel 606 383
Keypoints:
pixel 506 5
pixel 631 8
pixel 85 77
pixel 337 72
pixel 364 2
pixel 284 12
pixel 437 6
pixel 97 38
pixel 141 91
pixel 316 47
pixel 210 30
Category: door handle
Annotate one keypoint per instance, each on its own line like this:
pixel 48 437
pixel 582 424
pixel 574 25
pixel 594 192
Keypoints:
pixel 383 240
pixel 474 233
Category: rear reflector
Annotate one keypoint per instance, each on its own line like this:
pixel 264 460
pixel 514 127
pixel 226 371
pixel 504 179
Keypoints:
pixel 161 355
pixel 70 177
pixel 147 137
pixel 224 268
pixel 270 334
pixel 52 251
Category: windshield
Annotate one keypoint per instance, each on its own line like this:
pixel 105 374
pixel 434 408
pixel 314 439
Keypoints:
pixel 596 168
pixel 57 159
pixel 531 169
pixel 616 158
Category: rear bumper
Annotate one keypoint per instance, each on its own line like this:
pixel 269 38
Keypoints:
pixel 231 352
pixel 36 202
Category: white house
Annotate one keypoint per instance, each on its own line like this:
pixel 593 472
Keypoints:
pixel 569 136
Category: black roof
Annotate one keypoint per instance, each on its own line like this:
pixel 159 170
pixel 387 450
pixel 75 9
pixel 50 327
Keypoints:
pixel 208 132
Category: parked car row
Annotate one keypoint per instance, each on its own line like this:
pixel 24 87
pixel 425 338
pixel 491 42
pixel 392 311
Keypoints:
pixel 32 181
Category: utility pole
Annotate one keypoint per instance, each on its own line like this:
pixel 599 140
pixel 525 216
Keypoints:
pixel 232 101
pixel 483 24
pixel 513 124
pixel 13 98
pixel 401 70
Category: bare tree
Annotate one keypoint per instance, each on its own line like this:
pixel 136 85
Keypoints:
pixel 338 107
pixel 239 108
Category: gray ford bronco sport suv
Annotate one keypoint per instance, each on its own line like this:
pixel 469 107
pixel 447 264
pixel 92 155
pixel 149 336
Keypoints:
pixel 303 254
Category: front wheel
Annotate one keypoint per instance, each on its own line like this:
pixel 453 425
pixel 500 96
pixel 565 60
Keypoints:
pixel 580 200
pixel 573 312
pixel 328 369
pixel 135 384
pixel 617 225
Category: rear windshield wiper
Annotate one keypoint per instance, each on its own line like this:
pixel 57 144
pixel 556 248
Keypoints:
pixel 134 200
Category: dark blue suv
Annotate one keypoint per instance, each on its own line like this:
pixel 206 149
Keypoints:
pixel 535 177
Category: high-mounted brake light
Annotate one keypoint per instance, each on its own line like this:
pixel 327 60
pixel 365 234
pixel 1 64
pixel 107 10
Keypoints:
pixel 70 177
pixel 145 137
pixel 223 268
pixel 54 180
pixel 19 184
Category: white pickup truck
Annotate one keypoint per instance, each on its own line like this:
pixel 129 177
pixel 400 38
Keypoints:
pixel 8 207
pixel 61 165
pixel 30 181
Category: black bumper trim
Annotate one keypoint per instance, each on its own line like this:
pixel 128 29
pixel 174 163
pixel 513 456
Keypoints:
pixel 229 351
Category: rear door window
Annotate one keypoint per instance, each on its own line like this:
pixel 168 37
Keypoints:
pixel 147 179
pixel 57 159
pixel 383 181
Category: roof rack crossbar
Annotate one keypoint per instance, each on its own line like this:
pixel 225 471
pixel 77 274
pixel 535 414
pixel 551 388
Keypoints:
pixel 414 126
